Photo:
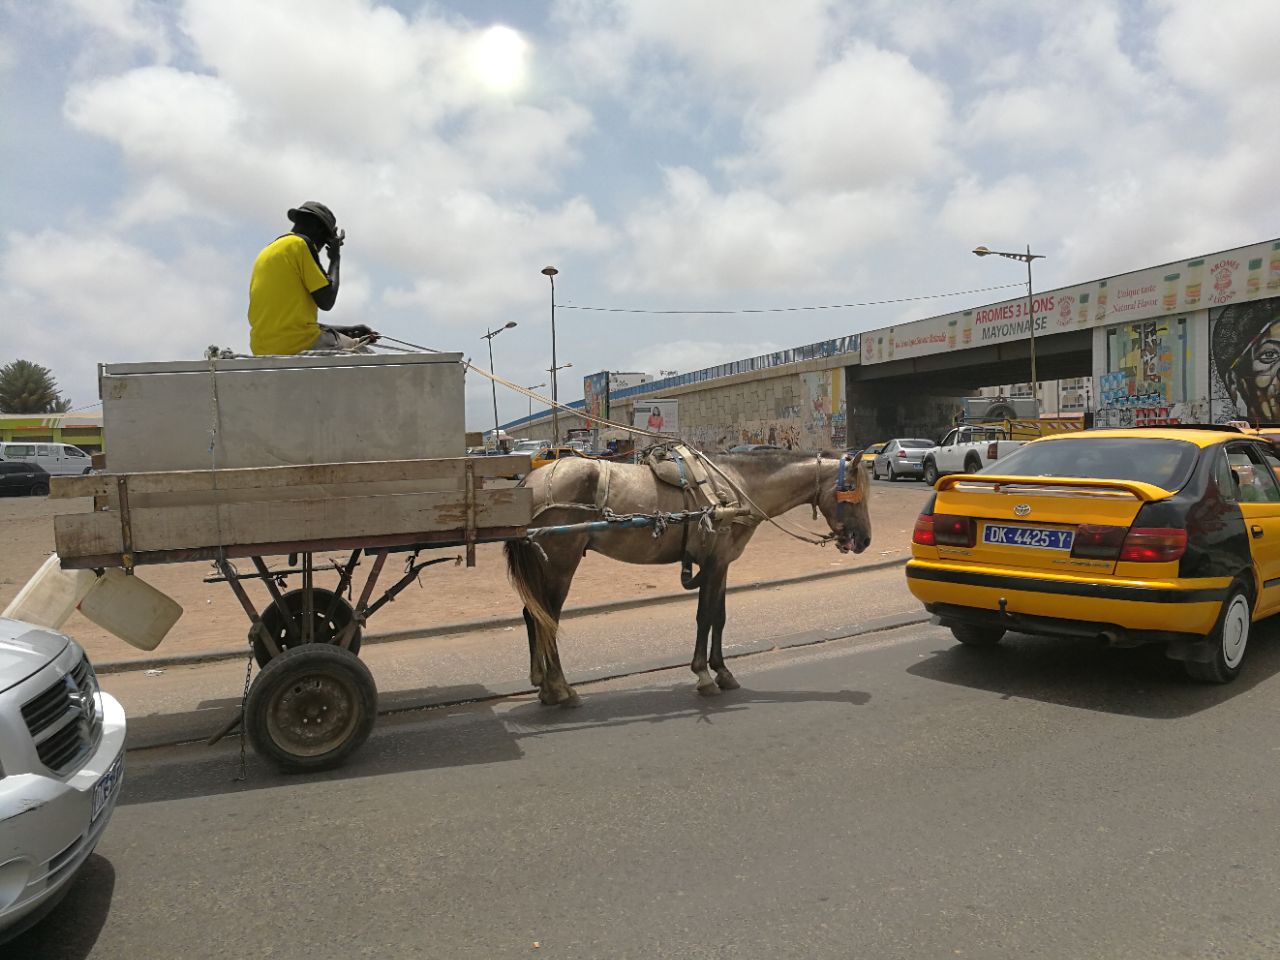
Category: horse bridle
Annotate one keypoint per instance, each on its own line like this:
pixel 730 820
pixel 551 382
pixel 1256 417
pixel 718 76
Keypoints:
pixel 847 491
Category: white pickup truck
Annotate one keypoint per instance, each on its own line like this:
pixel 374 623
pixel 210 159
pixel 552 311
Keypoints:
pixel 967 450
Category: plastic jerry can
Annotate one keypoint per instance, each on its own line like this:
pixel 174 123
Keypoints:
pixel 50 597
pixel 131 609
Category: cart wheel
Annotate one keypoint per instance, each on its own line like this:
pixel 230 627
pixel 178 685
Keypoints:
pixel 327 629
pixel 311 707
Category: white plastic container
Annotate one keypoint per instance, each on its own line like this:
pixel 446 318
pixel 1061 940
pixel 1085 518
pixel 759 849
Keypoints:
pixel 131 609
pixel 50 597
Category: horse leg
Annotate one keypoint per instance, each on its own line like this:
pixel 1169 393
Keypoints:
pixel 535 663
pixel 724 679
pixel 553 689
pixel 706 609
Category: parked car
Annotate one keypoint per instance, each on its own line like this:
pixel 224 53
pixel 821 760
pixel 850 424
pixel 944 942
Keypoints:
pixel 62 760
pixel 19 479
pixel 901 457
pixel 871 452
pixel 551 454
pixel 752 447
pixel 1153 535
pixel 59 459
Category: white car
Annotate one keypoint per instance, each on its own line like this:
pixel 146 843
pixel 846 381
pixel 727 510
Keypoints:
pixel 61 766
pixel 58 459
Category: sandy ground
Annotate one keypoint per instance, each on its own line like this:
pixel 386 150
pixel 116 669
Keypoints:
pixel 448 594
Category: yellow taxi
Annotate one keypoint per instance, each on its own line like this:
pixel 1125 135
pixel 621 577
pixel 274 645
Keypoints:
pixel 1162 535
pixel 869 455
pixel 552 454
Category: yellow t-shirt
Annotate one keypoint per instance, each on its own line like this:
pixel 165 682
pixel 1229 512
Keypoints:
pixel 282 315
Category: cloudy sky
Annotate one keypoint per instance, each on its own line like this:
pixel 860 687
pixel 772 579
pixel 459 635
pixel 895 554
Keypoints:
pixel 663 154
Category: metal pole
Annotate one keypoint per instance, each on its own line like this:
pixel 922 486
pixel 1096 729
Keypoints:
pixel 494 385
pixel 1031 312
pixel 555 393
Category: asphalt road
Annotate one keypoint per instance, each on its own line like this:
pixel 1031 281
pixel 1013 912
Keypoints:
pixel 888 796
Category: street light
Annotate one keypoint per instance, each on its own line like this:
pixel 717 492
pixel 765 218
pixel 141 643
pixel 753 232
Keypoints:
pixel 550 274
pixel 533 386
pixel 1031 312
pixel 492 381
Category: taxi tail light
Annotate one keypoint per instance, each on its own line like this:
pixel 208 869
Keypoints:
pixel 953 531
pixel 993 450
pixel 923 533
pixel 1095 541
pixel 1154 545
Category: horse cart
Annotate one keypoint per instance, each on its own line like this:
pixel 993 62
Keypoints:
pixel 260 466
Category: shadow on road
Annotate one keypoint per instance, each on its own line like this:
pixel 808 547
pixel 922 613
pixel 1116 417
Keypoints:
pixel 604 709
pixel 428 739
pixel 72 928
pixel 1139 682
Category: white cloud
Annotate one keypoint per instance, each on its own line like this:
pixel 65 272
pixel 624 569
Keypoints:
pixel 694 240
pixel 868 120
pixel 79 299
pixel 129 25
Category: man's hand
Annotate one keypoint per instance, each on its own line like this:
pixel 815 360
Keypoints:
pixel 360 332
pixel 334 246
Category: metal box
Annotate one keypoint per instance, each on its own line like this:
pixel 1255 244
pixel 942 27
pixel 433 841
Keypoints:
pixel 281 411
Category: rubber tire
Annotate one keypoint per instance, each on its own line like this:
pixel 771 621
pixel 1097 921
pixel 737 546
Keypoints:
pixel 893 477
pixel 930 472
pixel 273 620
pixel 973 635
pixel 969 465
pixel 291 667
pixel 1234 622
pixel 40 490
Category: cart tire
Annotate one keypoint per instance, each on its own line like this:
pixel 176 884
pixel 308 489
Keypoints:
pixel 311 707
pixel 977 635
pixel 328 629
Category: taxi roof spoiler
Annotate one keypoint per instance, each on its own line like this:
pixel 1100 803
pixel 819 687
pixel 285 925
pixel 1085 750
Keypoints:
pixel 1143 491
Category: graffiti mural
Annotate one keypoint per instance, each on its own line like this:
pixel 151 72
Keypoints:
pixel 1149 375
pixel 1244 344
pixel 822 410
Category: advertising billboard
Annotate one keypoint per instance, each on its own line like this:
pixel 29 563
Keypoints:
pixel 657 416
pixel 595 395
pixel 1235 276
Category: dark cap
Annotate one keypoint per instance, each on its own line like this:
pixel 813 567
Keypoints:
pixel 317 210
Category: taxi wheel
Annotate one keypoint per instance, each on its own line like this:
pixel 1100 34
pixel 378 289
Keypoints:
pixel 977 636
pixel 1229 639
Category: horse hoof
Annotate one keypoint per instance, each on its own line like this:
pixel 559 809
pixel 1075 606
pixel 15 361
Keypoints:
pixel 571 702
pixel 727 682
pixel 709 690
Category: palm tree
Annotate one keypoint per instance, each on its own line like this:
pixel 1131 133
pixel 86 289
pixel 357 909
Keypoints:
pixel 27 387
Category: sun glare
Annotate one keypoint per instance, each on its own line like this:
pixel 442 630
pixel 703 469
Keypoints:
pixel 498 58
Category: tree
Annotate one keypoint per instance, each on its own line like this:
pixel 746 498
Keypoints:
pixel 27 387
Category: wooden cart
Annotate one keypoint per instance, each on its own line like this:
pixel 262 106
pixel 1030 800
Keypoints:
pixel 314 702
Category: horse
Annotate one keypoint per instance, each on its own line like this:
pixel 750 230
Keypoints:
pixel 573 491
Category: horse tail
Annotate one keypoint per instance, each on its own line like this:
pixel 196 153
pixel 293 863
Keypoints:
pixel 527 573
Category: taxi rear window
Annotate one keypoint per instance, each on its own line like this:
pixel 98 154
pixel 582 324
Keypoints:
pixel 1165 463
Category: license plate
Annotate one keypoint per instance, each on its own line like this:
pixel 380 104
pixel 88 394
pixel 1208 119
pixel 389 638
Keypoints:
pixel 1007 536
pixel 106 786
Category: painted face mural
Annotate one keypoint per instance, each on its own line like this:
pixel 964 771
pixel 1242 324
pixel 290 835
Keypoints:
pixel 1246 357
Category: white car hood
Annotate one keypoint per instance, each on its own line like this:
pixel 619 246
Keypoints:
pixel 25 649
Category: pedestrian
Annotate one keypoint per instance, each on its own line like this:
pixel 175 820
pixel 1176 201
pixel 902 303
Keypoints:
pixel 289 284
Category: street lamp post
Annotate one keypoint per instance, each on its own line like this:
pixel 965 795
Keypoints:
pixel 533 386
pixel 550 274
pixel 1031 312
pixel 492 382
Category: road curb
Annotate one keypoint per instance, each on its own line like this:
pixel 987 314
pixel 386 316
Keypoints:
pixel 419 633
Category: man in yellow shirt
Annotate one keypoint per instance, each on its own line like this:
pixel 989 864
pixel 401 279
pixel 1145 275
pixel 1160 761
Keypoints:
pixel 288 285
